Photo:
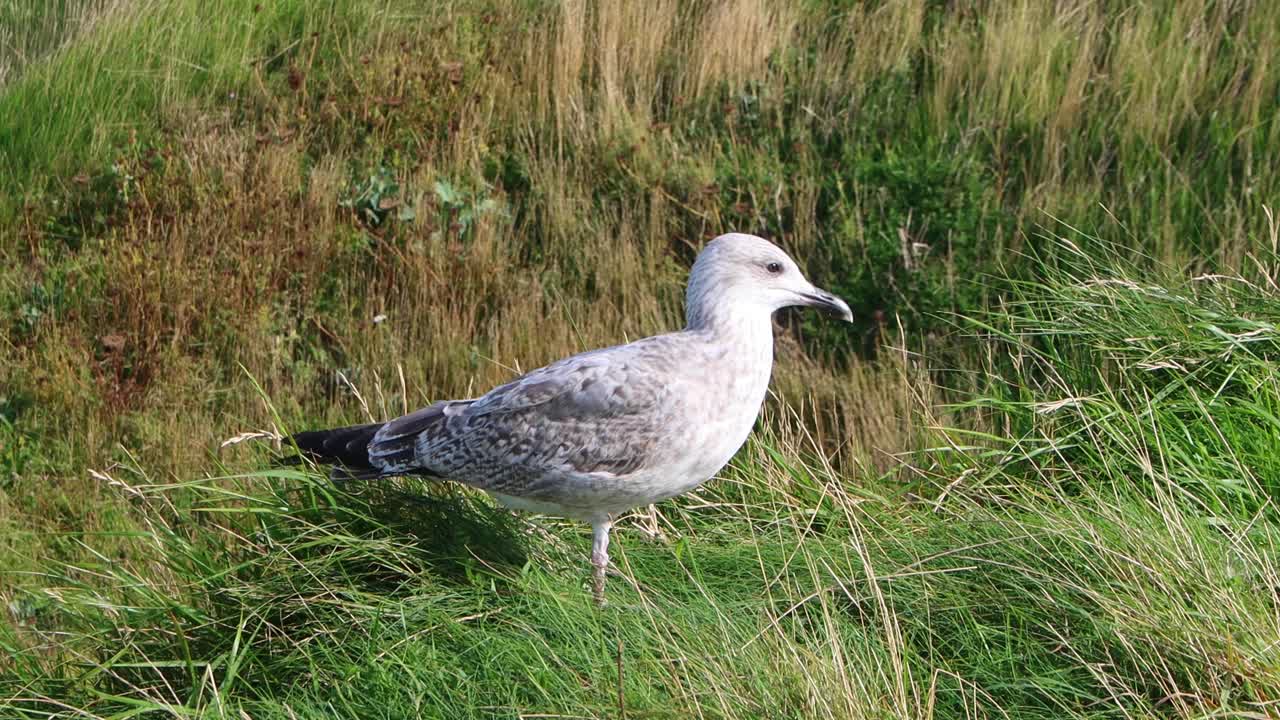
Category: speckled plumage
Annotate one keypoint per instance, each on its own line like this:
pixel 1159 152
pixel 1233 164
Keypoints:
pixel 596 433
pixel 608 430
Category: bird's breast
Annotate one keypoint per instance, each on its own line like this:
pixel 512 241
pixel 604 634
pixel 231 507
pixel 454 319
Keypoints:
pixel 723 405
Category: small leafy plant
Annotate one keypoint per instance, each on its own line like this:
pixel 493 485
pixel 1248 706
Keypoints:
pixel 374 199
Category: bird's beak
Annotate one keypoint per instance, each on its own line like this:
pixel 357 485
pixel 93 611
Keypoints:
pixel 827 302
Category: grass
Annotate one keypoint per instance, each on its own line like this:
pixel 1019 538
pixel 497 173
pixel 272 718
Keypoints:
pixel 100 92
pixel 1036 480
pixel 1030 578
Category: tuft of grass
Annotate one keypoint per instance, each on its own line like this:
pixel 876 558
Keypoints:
pixel 1169 386
pixel 128 70
pixel 30 32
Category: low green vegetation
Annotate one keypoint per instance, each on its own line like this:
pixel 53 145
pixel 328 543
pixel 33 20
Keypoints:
pixel 1037 479
pixel 127 72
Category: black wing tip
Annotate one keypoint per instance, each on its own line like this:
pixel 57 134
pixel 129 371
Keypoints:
pixel 345 446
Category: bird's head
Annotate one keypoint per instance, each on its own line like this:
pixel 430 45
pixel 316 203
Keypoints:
pixel 751 274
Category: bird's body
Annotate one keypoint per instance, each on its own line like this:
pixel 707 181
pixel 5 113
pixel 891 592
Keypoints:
pixel 604 431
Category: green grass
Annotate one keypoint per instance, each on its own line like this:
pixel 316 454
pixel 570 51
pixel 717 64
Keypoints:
pixel 130 67
pixel 1037 479
pixel 1069 591
pixel 30 32
pixel 1112 552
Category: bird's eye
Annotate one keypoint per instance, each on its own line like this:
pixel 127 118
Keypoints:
pixel 774 267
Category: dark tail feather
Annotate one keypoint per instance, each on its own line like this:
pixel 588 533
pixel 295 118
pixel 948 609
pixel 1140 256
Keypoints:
pixel 353 453
pixel 346 446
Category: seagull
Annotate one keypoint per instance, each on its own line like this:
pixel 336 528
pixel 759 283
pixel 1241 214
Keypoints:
pixel 602 432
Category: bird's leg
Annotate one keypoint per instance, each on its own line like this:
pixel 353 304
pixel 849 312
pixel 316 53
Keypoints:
pixel 599 557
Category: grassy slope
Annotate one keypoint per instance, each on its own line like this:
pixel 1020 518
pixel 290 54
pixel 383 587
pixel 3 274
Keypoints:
pixel 1079 523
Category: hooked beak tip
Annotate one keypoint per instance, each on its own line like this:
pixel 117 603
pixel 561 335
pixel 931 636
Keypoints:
pixel 829 303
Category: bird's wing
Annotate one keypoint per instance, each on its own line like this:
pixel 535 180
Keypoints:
pixel 599 412
pixel 394 448
pixel 593 385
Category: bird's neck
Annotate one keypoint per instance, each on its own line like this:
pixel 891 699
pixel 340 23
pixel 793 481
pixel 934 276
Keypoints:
pixel 722 313
pixel 736 358
pixel 743 326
